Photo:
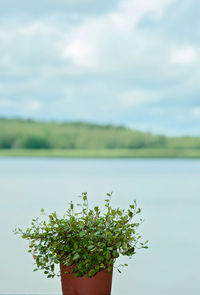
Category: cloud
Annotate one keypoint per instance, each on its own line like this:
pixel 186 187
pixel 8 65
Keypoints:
pixel 82 53
pixel 112 40
pixel 184 56
pixel 133 98
pixel 37 28
pixel 196 112
pixel 32 106
pixel 5 103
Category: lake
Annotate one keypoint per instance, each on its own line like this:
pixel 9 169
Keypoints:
pixel 167 190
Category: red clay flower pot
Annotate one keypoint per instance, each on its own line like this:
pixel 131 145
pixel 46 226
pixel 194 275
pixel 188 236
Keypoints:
pixel 100 284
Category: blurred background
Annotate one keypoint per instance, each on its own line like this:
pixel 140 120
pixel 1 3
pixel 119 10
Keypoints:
pixel 102 96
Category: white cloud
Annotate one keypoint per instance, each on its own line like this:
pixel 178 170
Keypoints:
pixel 26 106
pixel 32 106
pixel 111 40
pixel 37 27
pixel 5 103
pixel 196 112
pixel 81 52
pixel 134 98
pixel 185 55
pixel 134 10
pixel 30 49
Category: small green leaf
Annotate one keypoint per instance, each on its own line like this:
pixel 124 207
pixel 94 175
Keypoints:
pixel 107 255
pixel 82 233
pixel 96 208
pixel 90 247
pixel 130 214
pixel 110 248
pixel 118 244
pixel 108 233
pixel 119 270
pixel 52 267
pixel 76 256
pixel 92 272
pixel 75 246
pixel 115 254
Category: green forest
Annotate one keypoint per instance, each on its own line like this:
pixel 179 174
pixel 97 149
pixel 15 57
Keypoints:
pixel 17 135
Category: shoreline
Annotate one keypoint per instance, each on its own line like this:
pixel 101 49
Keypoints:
pixel 108 153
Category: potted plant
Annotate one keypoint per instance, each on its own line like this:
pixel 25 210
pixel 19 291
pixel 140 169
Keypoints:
pixel 84 244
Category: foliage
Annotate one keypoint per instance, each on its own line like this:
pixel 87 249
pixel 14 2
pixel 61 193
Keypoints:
pixel 34 142
pixel 89 240
pixel 27 134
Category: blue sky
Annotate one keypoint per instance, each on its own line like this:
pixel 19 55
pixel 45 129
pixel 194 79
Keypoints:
pixel 127 62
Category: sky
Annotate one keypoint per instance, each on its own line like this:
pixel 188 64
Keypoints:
pixel 124 62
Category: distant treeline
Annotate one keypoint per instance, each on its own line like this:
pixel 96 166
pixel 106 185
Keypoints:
pixel 29 134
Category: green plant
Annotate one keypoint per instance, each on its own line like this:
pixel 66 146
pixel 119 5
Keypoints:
pixel 89 240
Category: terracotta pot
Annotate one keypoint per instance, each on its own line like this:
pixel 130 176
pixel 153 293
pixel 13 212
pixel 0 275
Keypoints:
pixel 100 284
